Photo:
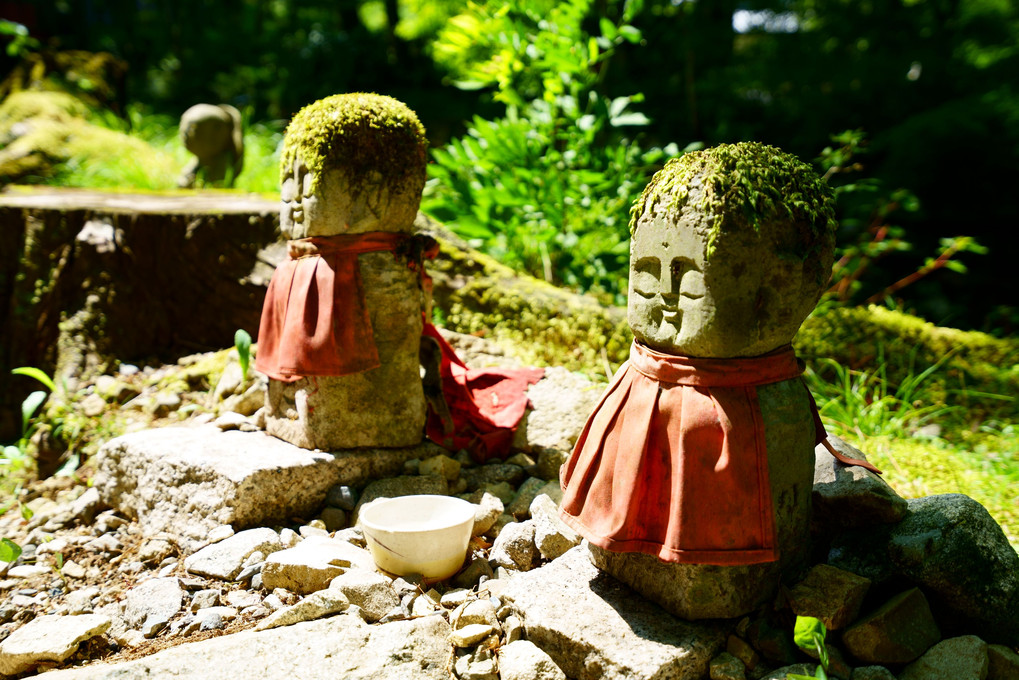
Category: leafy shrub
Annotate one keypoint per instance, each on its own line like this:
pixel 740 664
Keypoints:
pixel 547 187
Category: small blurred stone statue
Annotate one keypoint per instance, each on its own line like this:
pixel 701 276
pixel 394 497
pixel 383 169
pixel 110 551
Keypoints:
pixel 214 135
pixel 341 326
pixel 692 478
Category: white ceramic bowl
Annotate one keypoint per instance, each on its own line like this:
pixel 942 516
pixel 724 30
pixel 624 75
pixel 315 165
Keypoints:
pixel 424 534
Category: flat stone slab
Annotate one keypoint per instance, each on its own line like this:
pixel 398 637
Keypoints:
pixel 594 627
pixel 338 647
pixel 187 481
pixel 48 638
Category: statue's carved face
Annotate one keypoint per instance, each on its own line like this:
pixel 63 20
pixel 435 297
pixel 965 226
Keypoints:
pixel 747 300
pixel 301 206
pixel 668 298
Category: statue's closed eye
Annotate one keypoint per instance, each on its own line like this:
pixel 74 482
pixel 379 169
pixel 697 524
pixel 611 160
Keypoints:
pixel 692 284
pixel 647 274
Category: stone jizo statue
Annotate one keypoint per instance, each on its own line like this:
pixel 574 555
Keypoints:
pixel 692 478
pixel 341 326
pixel 215 136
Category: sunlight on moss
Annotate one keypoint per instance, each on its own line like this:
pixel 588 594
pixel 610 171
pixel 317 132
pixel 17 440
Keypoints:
pixel 923 467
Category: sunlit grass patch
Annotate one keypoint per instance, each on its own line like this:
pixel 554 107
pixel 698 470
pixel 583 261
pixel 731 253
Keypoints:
pixel 988 472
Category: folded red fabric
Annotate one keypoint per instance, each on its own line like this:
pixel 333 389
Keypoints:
pixel 673 463
pixel 315 320
pixel 484 405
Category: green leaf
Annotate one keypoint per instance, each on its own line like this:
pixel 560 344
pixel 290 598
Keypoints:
pixel 632 118
pixel 630 33
pixel 797 676
pixel 608 29
pixel 9 550
pixel 807 631
pixel 26 512
pixel 592 50
pixel 242 341
pixel 33 372
pixel 29 407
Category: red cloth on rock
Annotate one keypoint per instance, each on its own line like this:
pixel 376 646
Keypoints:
pixel 485 405
pixel 315 319
pixel 673 463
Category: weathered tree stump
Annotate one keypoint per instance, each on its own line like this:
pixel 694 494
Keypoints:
pixel 86 277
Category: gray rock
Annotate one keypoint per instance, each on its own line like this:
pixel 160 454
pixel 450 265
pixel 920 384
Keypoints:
pixel 550 461
pixel 832 595
pixel 551 535
pixel 488 511
pixel 87 505
pixel 162 404
pixel 312 564
pixel 1003 663
pixel 315 606
pixel 441 465
pixel 81 601
pixel 848 496
pixel 958 658
pixel 523 660
pixel 336 647
pixel 187 481
pixel 560 405
pixel 203 599
pixel 900 630
pixel 157 599
pixel 475 611
pixel 514 546
pixel 594 627
pixel 953 548
pixel 520 506
pixel 334 518
pixel 404 485
pixel 725 666
pixel 153 625
pixel 48 638
pixel 471 634
pixel 342 496
pixel 156 550
pixel 872 673
pixel 211 621
pixel 225 560
pixel 470 576
pixel 369 590
pixel 797 668
pixel 739 648
pixel 491 474
pixel 222 532
pixel 513 629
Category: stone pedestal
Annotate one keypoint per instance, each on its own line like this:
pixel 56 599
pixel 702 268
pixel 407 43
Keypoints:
pixel 383 407
pixel 705 591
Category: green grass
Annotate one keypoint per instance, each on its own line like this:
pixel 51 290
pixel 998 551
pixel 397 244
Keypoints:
pixel 924 440
pixel 165 157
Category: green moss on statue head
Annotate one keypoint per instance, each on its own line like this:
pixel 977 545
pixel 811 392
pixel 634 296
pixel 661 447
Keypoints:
pixel 362 133
pixel 742 186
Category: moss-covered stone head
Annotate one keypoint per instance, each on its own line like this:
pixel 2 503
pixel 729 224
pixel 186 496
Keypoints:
pixel 731 249
pixel 352 163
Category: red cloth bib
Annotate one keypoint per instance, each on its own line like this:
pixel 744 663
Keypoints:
pixel 673 463
pixel 484 405
pixel 315 320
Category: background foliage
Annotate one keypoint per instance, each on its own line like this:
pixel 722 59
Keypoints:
pixel 547 116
